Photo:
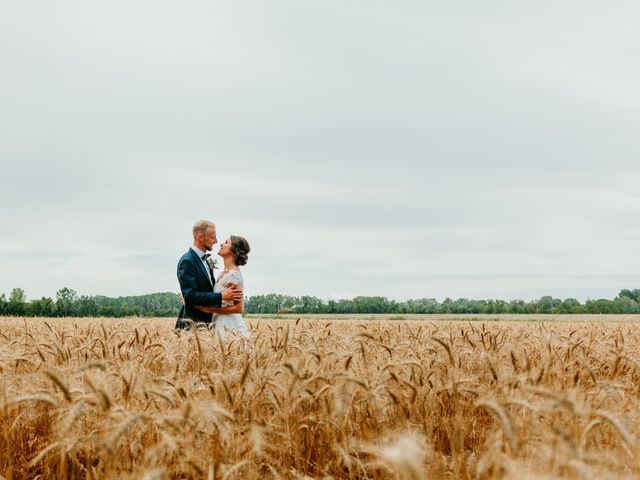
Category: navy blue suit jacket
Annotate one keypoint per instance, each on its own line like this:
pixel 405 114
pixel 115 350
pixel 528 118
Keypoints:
pixel 197 289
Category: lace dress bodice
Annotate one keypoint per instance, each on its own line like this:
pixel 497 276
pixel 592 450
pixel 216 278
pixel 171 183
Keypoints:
pixel 234 322
pixel 225 280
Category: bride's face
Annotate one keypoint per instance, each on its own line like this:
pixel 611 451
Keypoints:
pixel 225 249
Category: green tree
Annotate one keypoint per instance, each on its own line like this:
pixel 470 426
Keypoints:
pixel 45 307
pixel 546 304
pixel 373 305
pixel 625 305
pixel 346 305
pixel 164 304
pixel 570 305
pixel 17 302
pixel 601 305
pixel 311 304
pixel 446 306
pixel 3 304
pixel 632 294
pixel 496 306
pixel 107 311
pixel 520 306
pixel 86 307
pixel 66 302
pixel 427 305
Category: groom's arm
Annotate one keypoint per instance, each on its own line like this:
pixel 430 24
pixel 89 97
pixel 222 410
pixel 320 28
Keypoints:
pixel 188 285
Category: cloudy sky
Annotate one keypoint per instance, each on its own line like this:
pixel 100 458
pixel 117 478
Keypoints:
pixel 407 149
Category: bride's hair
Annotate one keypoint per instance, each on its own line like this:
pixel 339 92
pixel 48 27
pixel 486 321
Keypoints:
pixel 240 248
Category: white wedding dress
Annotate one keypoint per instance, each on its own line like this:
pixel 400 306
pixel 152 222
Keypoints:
pixel 226 324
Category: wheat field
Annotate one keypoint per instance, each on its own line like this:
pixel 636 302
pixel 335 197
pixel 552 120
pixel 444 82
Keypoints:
pixel 321 399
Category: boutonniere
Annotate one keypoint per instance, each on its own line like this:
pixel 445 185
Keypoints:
pixel 213 263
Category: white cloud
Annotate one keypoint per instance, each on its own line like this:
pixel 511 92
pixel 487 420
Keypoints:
pixel 405 149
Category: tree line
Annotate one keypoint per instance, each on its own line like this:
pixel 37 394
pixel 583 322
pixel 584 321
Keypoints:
pixel 627 301
pixel 69 304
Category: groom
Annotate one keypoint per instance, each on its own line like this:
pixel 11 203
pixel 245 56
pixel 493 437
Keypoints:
pixel 196 278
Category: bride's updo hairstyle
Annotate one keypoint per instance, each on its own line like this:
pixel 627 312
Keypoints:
pixel 240 248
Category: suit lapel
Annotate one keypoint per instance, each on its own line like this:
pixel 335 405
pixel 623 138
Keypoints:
pixel 198 261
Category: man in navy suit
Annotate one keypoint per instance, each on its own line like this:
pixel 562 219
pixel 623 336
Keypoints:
pixel 196 278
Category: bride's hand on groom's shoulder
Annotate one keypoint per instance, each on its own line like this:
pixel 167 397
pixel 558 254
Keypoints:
pixel 182 299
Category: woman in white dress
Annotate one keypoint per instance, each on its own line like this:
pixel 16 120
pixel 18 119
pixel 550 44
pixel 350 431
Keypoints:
pixel 228 318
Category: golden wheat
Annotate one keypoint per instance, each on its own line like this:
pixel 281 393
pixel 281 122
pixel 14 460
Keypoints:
pixel 312 398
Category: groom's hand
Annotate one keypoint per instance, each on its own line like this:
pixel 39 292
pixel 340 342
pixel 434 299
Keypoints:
pixel 232 294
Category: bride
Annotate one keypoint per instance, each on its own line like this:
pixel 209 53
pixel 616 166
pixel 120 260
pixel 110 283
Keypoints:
pixel 228 318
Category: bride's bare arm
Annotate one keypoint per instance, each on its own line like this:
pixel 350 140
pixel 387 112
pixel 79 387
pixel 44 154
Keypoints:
pixel 238 307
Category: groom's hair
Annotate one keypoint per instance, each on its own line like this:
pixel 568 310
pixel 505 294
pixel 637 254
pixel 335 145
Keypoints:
pixel 201 227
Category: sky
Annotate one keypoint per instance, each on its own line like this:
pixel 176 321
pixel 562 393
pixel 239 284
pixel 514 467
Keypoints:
pixel 409 149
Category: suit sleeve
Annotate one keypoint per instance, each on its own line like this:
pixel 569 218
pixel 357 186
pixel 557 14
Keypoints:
pixel 188 285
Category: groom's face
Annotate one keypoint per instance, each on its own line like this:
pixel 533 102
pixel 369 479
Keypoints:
pixel 209 238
